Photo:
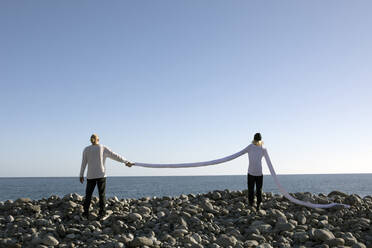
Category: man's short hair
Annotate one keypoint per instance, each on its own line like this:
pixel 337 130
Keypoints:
pixel 94 138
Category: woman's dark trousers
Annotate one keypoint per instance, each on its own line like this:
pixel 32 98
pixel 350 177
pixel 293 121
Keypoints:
pixel 251 181
pixel 91 184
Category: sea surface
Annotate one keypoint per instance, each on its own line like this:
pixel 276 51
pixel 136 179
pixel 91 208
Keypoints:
pixel 138 187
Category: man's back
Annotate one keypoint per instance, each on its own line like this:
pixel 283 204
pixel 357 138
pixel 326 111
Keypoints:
pixel 95 156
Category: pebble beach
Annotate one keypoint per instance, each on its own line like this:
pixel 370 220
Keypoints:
pixel 215 219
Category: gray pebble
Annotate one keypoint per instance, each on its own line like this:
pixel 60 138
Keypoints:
pixel 49 240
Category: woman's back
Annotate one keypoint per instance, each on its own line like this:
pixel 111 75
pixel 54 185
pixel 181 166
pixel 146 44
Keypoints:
pixel 255 154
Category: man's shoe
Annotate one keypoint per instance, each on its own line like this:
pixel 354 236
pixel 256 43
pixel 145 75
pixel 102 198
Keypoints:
pixel 102 217
pixel 252 209
pixel 86 215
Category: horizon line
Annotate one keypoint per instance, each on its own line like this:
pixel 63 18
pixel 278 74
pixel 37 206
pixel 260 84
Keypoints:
pixel 9 177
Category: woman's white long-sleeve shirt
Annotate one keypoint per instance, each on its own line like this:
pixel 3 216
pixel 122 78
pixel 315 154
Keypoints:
pixel 255 155
pixel 95 156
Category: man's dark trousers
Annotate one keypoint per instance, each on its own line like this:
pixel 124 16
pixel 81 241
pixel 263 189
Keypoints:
pixel 91 184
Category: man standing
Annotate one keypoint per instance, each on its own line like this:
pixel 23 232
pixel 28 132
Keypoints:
pixel 95 156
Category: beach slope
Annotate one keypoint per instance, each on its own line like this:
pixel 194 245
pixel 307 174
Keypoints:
pixel 215 219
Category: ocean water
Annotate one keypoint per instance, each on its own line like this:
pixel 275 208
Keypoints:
pixel 138 187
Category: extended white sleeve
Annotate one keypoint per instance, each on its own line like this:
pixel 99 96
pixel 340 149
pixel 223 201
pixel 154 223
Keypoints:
pixel 291 198
pixel 84 163
pixel 196 164
pixel 108 153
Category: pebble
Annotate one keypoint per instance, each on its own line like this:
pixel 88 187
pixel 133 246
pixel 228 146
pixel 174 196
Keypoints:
pixel 196 237
pixel 50 240
pixel 359 245
pixel 70 236
pixel 301 237
pixel 264 245
pixel 144 210
pixel 284 227
pixel 9 218
pixel 180 232
pixel 323 235
pixel 23 200
pixel 134 217
pixel 141 241
pixel 336 242
pixel 301 219
pixel 226 241
pixel 251 243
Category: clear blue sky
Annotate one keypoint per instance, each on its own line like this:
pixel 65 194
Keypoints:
pixel 185 81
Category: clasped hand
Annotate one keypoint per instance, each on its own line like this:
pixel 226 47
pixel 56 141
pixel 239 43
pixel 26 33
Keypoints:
pixel 129 164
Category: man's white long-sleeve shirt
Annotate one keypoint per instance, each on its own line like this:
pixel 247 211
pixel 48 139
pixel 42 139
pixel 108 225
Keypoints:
pixel 95 156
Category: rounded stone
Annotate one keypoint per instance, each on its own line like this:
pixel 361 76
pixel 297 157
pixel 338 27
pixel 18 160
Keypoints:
pixel 197 237
pixel 190 240
pixel 301 237
pixel 141 241
pixel 71 204
pixel 349 239
pixel 216 195
pixel 126 238
pixel 207 206
pixel 35 208
pixel 160 214
pixel 353 200
pixel 264 245
pixel 251 243
pixel 144 210
pixel 49 240
pixel 336 242
pixel 257 237
pixel 10 218
pixel 180 232
pixel 337 193
pixel 134 217
pixel 226 241
pixel 70 236
pixel 284 227
pixel 359 245
pixel 119 245
pixel 301 219
pixel 61 230
pixel 23 200
pixel 323 235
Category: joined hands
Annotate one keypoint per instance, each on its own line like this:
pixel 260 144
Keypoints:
pixel 129 164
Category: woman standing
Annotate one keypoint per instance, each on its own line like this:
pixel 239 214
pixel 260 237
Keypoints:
pixel 255 153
